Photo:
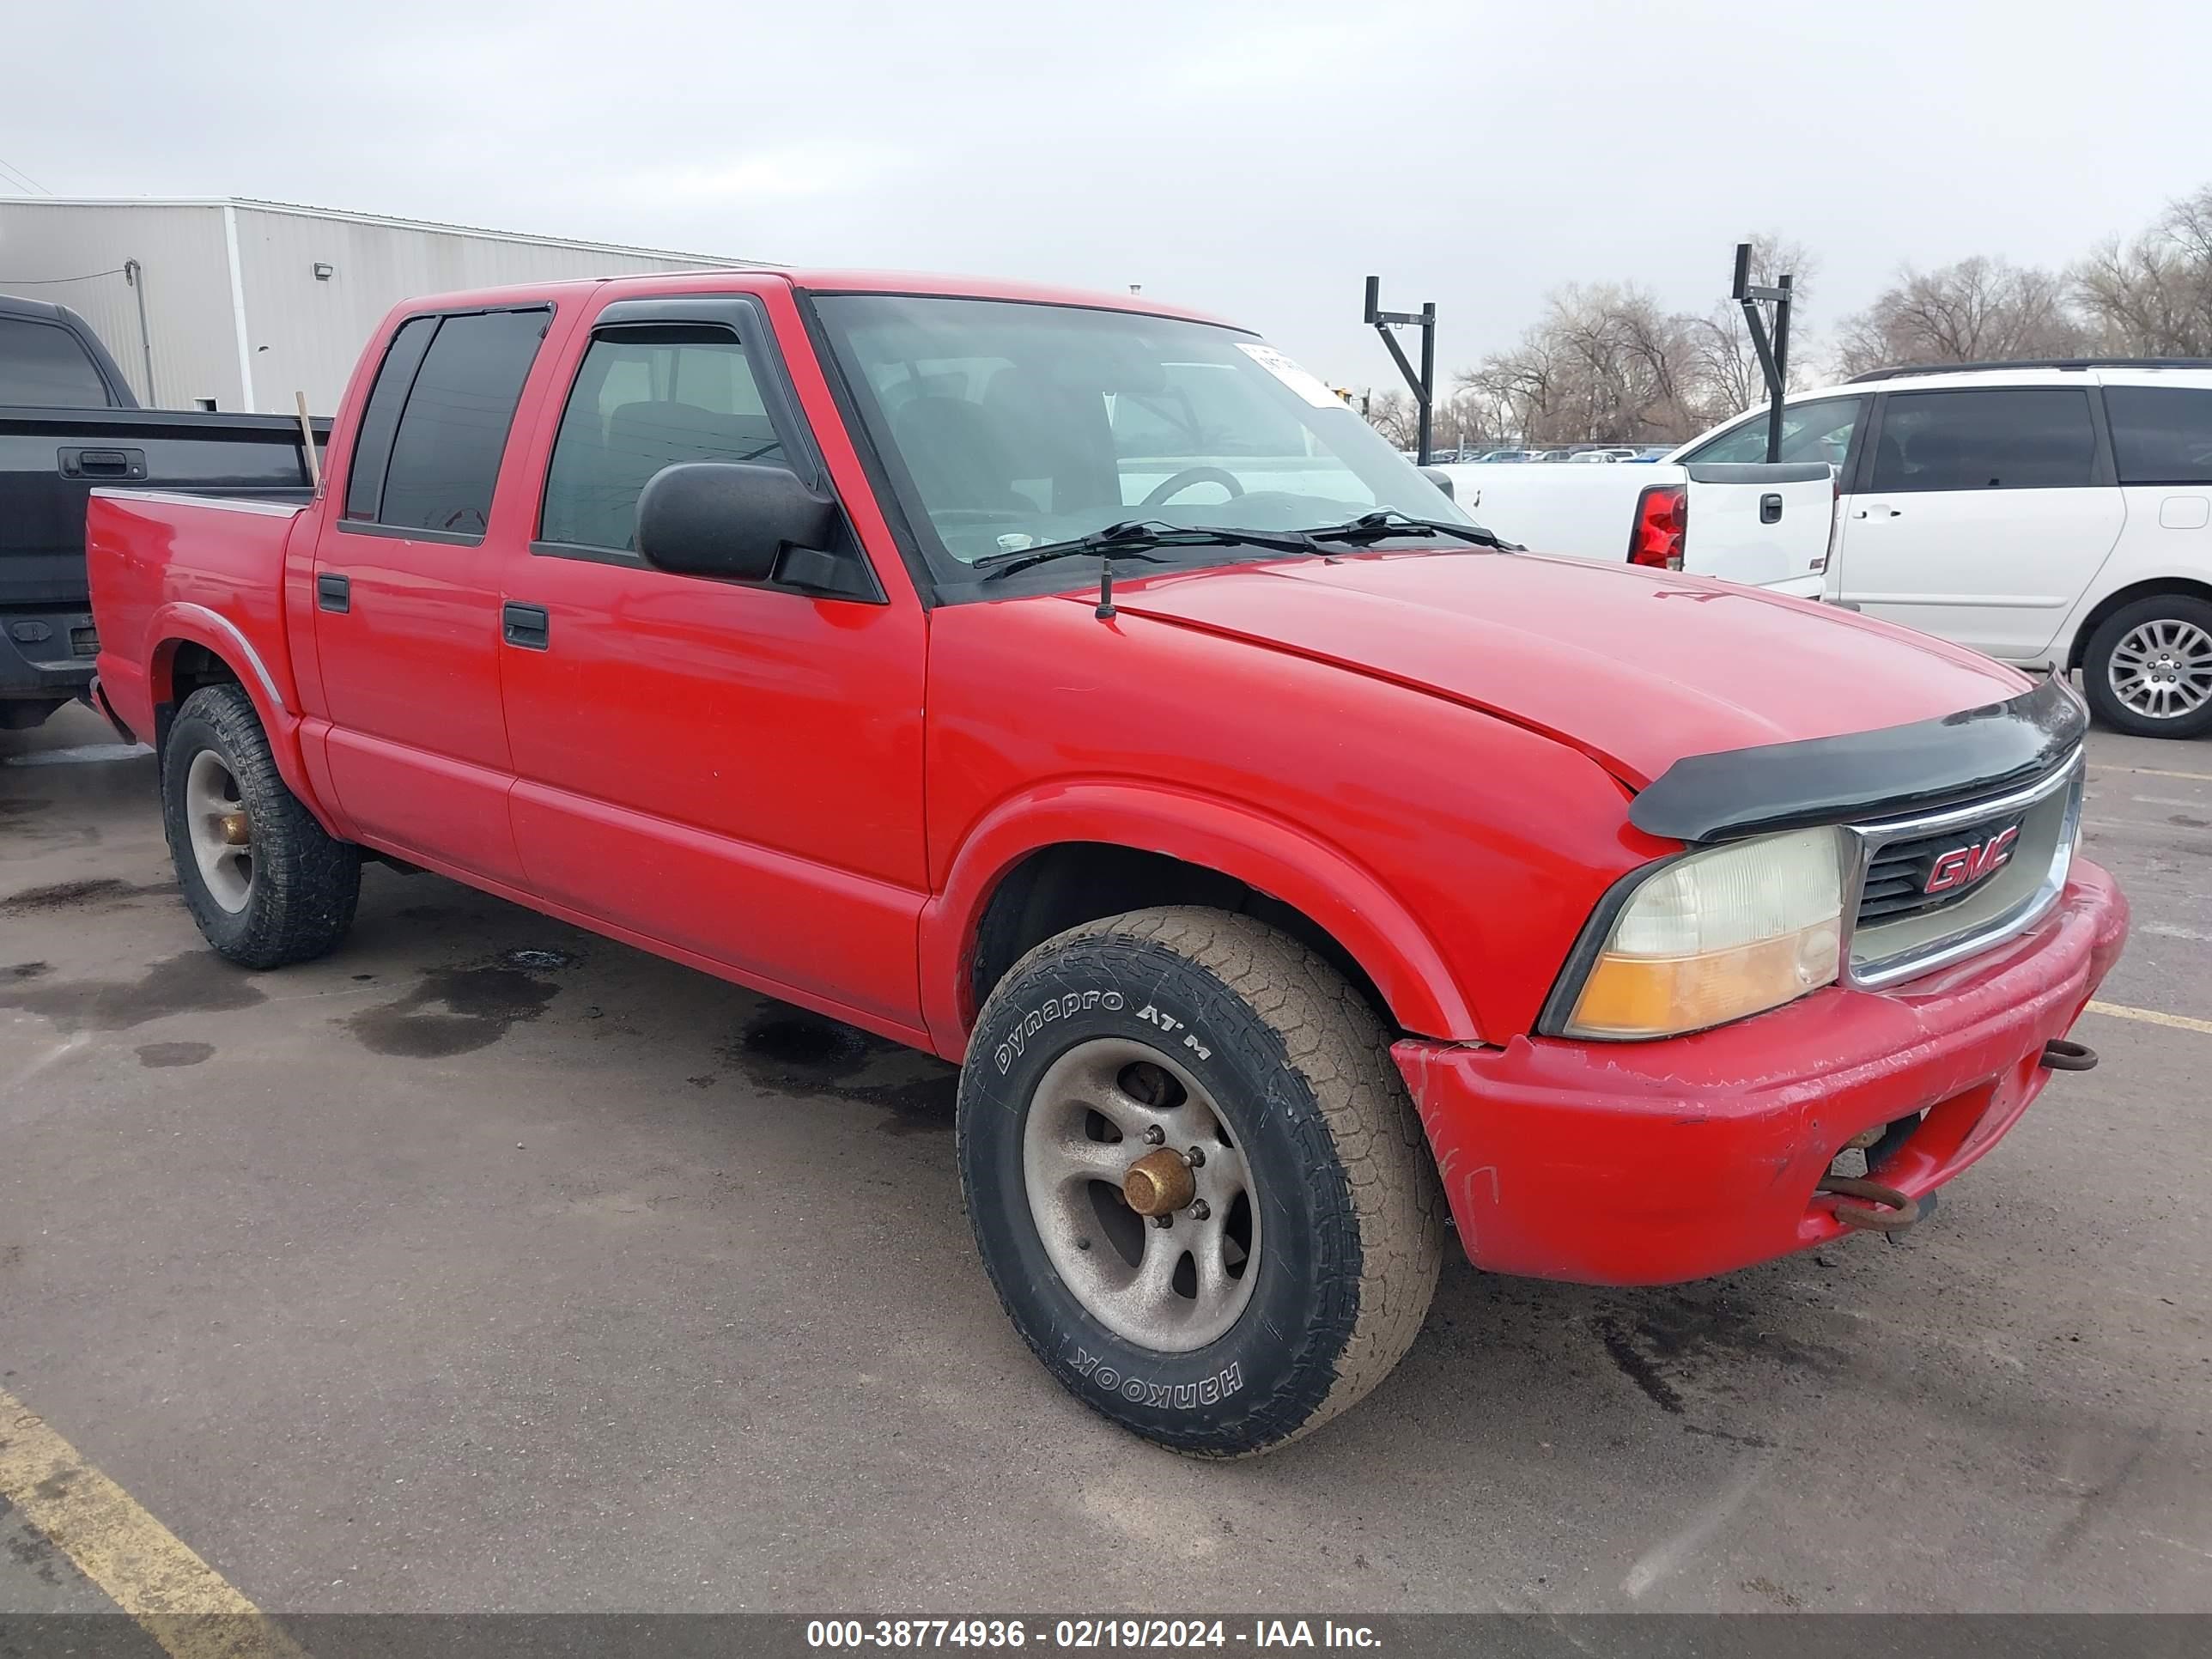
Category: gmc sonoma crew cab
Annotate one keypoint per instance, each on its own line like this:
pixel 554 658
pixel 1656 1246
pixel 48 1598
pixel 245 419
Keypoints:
pixel 1081 692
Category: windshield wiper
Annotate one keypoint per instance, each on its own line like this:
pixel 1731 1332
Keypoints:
pixel 1137 539
pixel 1389 522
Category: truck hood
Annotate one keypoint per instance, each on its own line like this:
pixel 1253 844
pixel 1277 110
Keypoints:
pixel 1636 668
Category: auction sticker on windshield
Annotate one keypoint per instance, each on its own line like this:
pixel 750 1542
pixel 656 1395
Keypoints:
pixel 1308 386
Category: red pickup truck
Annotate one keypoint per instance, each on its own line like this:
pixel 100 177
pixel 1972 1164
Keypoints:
pixel 1078 691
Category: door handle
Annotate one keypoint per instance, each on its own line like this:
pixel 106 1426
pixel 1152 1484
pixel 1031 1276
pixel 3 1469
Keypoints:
pixel 1770 509
pixel 82 463
pixel 1878 510
pixel 333 593
pixel 525 625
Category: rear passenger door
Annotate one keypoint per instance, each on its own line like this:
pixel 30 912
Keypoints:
pixel 407 600
pixel 1982 515
pixel 730 772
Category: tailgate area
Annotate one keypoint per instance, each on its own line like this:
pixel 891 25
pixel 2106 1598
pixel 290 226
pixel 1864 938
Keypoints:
pixel 1768 526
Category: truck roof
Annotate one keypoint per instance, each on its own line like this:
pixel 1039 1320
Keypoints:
pixel 815 279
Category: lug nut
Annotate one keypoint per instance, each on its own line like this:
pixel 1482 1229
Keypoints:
pixel 1164 1221
pixel 1155 1135
pixel 1199 1209
pixel 1196 1157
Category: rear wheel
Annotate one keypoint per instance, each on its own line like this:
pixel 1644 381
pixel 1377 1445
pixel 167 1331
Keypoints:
pixel 1196 1179
pixel 266 884
pixel 2147 669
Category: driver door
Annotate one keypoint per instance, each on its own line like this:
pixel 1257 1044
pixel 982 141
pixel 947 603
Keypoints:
pixel 731 771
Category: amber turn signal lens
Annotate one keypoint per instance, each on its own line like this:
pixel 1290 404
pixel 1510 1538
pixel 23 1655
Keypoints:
pixel 1715 936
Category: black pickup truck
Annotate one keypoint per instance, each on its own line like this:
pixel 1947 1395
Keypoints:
pixel 68 422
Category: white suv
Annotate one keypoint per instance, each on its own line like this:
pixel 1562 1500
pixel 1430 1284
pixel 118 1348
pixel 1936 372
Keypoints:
pixel 2055 515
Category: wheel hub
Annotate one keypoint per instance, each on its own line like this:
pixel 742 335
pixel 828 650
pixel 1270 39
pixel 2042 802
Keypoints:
pixel 1159 1183
pixel 2163 668
pixel 220 830
pixel 1141 1195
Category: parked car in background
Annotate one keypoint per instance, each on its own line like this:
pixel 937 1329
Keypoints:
pixel 69 421
pixel 769 622
pixel 2055 516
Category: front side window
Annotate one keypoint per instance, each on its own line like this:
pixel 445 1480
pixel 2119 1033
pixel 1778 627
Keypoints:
pixel 1010 426
pixel 47 366
pixel 2161 434
pixel 451 430
pixel 648 396
pixel 2007 438
pixel 1818 431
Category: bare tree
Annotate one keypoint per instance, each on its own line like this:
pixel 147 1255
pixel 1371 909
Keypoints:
pixel 1395 416
pixel 1979 310
pixel 2153 297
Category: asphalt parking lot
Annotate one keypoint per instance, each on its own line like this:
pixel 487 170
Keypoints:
pixel 487 1264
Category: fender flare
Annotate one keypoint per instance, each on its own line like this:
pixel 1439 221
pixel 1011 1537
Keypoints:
pixel 1268 854
pixel 180 623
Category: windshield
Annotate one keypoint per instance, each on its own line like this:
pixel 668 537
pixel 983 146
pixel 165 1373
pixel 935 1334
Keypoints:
pixel 1008 426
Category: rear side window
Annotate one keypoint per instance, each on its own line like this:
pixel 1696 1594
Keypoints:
pixel 2161 434
pixel 1810 431
pixel 2010 438
pixel 453 424
pixel 379 421
pixel 648 396
pixel 47 366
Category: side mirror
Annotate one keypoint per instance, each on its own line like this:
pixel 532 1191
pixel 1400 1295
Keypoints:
pixel 1440 478
pixel 729 519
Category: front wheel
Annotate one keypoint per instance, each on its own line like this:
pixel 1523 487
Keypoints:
pixel 266 884
pixel 2147 669
pixel 1196 1179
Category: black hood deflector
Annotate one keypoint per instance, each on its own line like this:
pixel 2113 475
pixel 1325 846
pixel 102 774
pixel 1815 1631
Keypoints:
pixel 1863 774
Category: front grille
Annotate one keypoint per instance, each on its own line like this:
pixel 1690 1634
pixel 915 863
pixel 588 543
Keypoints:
pixel 1898 876
pixel 1900 929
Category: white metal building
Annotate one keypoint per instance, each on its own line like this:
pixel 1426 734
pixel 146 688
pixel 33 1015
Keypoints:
pixel 245 303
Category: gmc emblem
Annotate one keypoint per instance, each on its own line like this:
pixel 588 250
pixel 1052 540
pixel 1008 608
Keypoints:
pixel 1962 867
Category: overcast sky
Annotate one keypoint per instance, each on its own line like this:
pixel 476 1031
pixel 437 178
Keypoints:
pixel 1254 161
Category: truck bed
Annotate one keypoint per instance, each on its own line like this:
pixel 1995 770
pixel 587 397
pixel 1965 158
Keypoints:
pixel 232 546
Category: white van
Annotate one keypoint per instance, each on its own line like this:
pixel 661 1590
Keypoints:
pixel 2055 516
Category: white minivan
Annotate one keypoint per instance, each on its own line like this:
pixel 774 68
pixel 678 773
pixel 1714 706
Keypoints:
pixel 2055 516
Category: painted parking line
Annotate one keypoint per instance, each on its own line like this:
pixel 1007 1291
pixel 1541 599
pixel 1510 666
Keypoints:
pixel 145 1569
pixel 83 754
pixel 2096 767
pixel 2152 1016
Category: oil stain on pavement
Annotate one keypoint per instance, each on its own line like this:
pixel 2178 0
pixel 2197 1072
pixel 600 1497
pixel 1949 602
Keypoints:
pixel 159 1055
pixel 191 983
pixel 788 1051
pixel 453 1011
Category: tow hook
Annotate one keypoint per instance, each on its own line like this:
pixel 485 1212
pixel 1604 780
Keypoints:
pixel 2064 1054
pixel 1901 1212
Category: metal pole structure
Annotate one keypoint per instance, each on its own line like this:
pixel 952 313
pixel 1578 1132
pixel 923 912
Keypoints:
pixel 1424 384
pixel 1781 387
pixel 1428 380
pixel 134 273
pixel 1773 354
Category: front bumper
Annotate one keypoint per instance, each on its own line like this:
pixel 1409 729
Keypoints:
pixel 1653 1163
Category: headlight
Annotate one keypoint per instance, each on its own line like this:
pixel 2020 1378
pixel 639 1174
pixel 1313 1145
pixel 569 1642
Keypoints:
pixel 1715 936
